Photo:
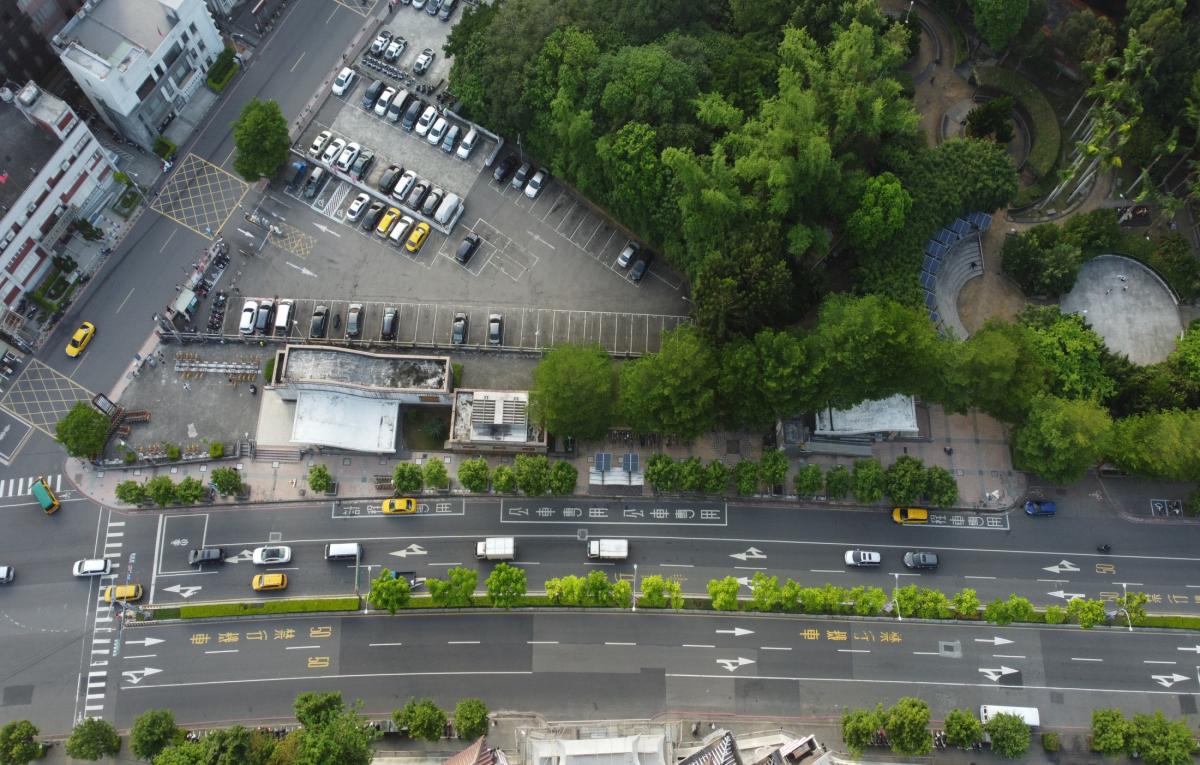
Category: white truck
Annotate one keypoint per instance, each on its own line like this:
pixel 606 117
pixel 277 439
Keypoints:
pixel 608 549
pixel 496 548
pixel 1028 714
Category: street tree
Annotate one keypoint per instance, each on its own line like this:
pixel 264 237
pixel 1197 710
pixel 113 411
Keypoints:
pixel 315 709
pixel 596 589
pixel 456 590
pixel 227 746
pixel 474 474
pixel 1010 735
pixel 18 744
pixel 506 585
pixel 941 488
pixel 319 479
pixel 859 727
pixel 716 477
pixel 533 474
pixel 1158 444
pixel 868 481
pixel 999 369
pixel 657 592
pixel 470 718
pixel 672 391
pixel 152 732
pixel 131 492
pixel 407 478
pixel 226 481
pixel 724 593
pixel 809 480
pixel 83 431
pixel 563 478
pixel 963 728
pixel 906 480
pixel 772 469
pixel 435 474
pixel 907 726
pixel 1073 352
pixel 966 603
pixel 190 490
pixel 998 21
pixel 92 739
pixel 574 387
pixel 1061 439
pixel 1160 741
pixel 389 591
pixel 1111 732
pixel 504 479
pixel 745 476
pixel 837 482
pixel 662 472
pixel 1088 613
pixel 161 489
pixel 261 140
pixel 182 753
pixel 423 718
pixel 881 214
pixel 344 739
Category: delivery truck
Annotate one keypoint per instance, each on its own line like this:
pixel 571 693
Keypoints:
pixel 608 549
pixel 496 548
pixel 1028 714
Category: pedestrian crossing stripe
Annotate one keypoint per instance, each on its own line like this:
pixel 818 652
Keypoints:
pixel 23 487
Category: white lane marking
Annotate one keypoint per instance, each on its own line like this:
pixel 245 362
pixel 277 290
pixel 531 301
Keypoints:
pixel 446 564
pixel 1082 658
pixel 1006 656
pixel 141 656
pixel 1054 581
pixel 1152 661
pixel 927 653
pixel 774 648
pixel 226 650
pixel 676 565
pixel 308 678
pixel 697 645
pixel 620 644
pixel 457 642
pixel 374 645
pixel 853 650
pixel 541 642
pixel 979 577
pixel 300 647
pixel 826 571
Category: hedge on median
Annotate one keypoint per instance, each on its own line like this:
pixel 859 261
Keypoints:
pixel 299 606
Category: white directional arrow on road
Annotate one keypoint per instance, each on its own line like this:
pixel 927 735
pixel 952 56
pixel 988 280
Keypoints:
pixel 736 632
pixel 147 642
pixel 734 664
pixel 184 590
pixel 744 581
pixel 301 269
pixel 135 676
pixel 995 674
pixel 752 552
pixel 993 640
pixel 243 555
pixel 327 230
pixel 1166 681
pixel 1066 595
pixel 413 549
pixel 1192 648
pixel 1061 566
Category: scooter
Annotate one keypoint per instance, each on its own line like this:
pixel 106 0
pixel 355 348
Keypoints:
pixel 1104 548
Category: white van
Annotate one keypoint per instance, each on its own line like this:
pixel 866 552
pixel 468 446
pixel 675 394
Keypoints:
pixel 468 143
pixel 283 317
pixel 448 209
pixel 343 551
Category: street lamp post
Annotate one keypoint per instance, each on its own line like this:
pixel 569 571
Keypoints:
pixel 895 596
pixel 1125 602
pixel 634 599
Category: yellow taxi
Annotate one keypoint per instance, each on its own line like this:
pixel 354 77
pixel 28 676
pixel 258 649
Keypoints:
pixel 269 582
pixel 387 221
pixel 399 506
pixel 417 237
pixel 910 515
pixel 81 338
pixel 126 593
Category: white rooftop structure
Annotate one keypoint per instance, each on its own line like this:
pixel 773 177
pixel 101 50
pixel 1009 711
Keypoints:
pixel 896 414
pixel 639 749
pixel 494 420
pixel 346 421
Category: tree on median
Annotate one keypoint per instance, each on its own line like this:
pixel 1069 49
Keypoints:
pixel 658 592
pixel 724 593
pixel 260 136
pixel 83 431
pixel 1009 734
pixel 152 732
pixel 456 590
pixel 389 591
pixel 506 585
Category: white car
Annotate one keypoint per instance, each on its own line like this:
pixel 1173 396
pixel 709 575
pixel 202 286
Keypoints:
pixel 534 187
pixel 318 143
pixel 344 80
pixel 385 99
pixel 863 558
pixel 427 118
pixel 269 556
pixel 404 185
pixel 437 131
pixel 468 144
pixel 357 207
pixel 395 49
pixel 349 154
pixel 380 43
pixel 249 311
pixel 424 61
pixel 92 567
pixel 333 150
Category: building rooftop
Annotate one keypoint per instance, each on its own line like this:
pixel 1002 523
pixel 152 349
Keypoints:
pixel 24 150
pixel 113 27
pixel 896 413
pixel 344 421
pixel 493 415
pixel 361 369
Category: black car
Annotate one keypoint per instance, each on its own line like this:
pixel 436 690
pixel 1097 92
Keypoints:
pixel 523 173
pixel 389 178
pixel 419 190
pixel 320 319
pixel 467 248
pixel 432 201
pixel 505 168
pixel 412 115
pixel 639 268
pixel 387 330
pixel 362 164
pixel 458 330
pixel 206 555
pixel 371 219
pixel 925 560
pixel 372 93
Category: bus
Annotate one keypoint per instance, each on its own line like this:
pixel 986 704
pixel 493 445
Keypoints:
pixel 44 495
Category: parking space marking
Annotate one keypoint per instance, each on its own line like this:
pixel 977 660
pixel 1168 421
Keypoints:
pixel 41 396
pixel 363 10
pixel 200 196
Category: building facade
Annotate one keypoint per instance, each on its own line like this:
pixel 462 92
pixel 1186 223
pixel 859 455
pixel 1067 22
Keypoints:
pixel 139 61
pixel 53 171
pixel 26 27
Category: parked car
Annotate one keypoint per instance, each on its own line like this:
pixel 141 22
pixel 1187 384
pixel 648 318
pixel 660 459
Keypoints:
pixel 333 150
pixel 424 61
pixel 249 312
pixel 432 6
pixel 206 555
pixel 495 329
pixel 437 131
pixel 277 581
pixel 387 329
pixel 921 560
pixel 398 506
pixel 468 144
pixel 92 567
pixel 417 238
pixel 430 206
pixel 320 319
pixel 344 81
pixel 313 184
pixel 1040 507
pixel 534 187
pixel 417 194
pixel 400 231
pixel 627 254
pixel 459 329
pixel 262 322
pixel 522 177
pixel 505 168
pixel 394 49
pixel 357 207
pixel 371 94
pixel 374 213
pixel 412 114
pixel 381 42
pixel 863 558
pixel 397 107
pixel 6 574
pixel 404 185
pixel 386 222
pixel 467 248
pixel 387 180
pixel 447 9
pixel 354 319
pixel 384 100
pixel 910 515
pixel 426 122
pixel 362 165
pixel 349 154
pixel 640 267
pixel 319 142
pixel 450 140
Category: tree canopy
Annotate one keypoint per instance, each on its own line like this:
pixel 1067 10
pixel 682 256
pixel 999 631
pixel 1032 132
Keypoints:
pixel 260 137
pixel 574 391
pixel 83 431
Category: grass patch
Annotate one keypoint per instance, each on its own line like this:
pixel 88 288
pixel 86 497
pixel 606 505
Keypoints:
pixel 1169 254
pixel 306 605
pixel 164 613
pixel 1170 622
pixel 1043 122
pixel 127 202
pixel 426 427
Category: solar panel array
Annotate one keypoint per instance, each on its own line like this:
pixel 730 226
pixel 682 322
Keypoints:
pixel 603 461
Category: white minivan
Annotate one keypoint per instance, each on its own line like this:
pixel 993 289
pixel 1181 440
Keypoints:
pixel 283 316
pixel 468 144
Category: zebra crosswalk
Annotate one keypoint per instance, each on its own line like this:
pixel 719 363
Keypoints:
pixel 21 487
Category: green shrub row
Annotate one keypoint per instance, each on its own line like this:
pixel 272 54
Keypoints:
pixel 222 70
pixel 300 606
pixel 1047 134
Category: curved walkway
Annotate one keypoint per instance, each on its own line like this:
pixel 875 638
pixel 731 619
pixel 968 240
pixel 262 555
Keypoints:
pixel 963 263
